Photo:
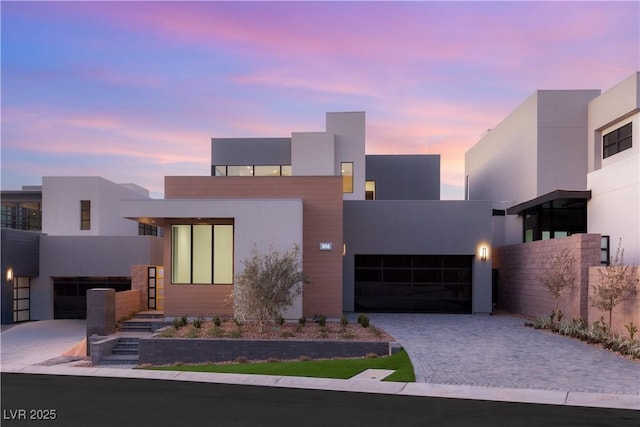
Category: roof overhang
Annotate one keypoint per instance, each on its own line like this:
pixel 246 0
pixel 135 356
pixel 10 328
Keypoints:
pixel 556 195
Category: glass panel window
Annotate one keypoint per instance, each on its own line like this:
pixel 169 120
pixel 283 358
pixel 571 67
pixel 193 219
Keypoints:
pixel 220 170
pixel 202 253
pixel 266 170
pixel 286 170
pixel 85 214
pixel 617 141
pixel 181 253
pixel 239 170
pixel 346 169
pixel 223 254
pixel 370 190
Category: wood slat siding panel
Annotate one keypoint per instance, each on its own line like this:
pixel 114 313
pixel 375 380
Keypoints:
pixel 322 222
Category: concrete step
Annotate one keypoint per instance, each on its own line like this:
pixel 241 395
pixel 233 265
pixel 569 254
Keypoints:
pixel 150 315
pixel 121 351
pixel 120 359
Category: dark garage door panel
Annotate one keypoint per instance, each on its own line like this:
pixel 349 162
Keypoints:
pixel 413 283
pixel 70 293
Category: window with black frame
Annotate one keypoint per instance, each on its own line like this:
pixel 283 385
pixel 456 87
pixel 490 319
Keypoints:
pixel 617 141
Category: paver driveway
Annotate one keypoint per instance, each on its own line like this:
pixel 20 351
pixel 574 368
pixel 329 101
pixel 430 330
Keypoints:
pixel 499 351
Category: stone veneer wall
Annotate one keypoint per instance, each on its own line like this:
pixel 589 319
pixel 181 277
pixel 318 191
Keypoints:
pixel 127 303
pixel 158 351
pixel 519 266
pixel 624 313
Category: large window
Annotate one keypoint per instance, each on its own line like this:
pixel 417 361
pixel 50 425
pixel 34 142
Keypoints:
pixel 21 215
pixel 555 219
pixel 616 141
pixel 202 254
pixel 346 169
pixel 85 214
pixel 253 170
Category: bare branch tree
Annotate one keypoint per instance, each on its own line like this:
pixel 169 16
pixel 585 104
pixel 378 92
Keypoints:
pixel 269 284
pixel 559 274
pixel 617 283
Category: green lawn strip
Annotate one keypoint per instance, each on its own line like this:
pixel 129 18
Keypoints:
pixel 335 368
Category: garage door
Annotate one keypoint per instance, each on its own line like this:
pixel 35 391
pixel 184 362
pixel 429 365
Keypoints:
pixel 413 283
pixel 70 293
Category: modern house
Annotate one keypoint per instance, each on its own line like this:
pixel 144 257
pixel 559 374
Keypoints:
pixel 65 237
pixel 563 173
pixel 374 235
pixel 564 162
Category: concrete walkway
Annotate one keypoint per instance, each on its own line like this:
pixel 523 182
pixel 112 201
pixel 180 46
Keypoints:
pixel 26 349
pixel 499 351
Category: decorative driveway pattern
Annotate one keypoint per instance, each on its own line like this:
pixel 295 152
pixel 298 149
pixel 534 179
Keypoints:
pixel 499 351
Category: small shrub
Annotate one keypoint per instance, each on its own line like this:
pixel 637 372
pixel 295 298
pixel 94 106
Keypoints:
pixel 241 359
pixel 236 332
pixel 344 321
pixel 179 322
pixel 632 329
pixel 302 321
pixel 237 321
pixel 279 320
pixel 193 333
pixel 320 319
pixel 217 321
pixel 167 333
pixel 214 331
pixel 360 317
pixel 364 322
pixel 197 323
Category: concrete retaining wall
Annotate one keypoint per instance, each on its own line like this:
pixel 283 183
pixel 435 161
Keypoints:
pixel 159 351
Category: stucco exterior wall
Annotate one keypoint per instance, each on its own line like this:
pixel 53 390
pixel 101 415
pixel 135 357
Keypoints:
pixel 61 198
pixel 312 153
pixel 419 227
pixel 520 289
pixel 614 208
pixel 250 151
pixel 321 221
pixel 91 256
pixel 405 177
pixel 349 131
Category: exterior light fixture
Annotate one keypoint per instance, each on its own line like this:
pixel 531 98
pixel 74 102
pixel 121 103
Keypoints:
pixel 10 274
pixel 344 249
pixel 483 253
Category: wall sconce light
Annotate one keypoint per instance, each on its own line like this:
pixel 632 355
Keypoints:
pixel 483 253
pixel 9 274
pixel 344 249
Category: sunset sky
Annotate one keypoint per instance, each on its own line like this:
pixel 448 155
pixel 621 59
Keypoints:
pixel 134 91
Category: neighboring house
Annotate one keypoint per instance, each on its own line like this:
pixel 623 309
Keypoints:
pixel 374 235
pixel 81 242
pixel 564 162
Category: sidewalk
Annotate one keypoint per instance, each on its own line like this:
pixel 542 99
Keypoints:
pixel 360 384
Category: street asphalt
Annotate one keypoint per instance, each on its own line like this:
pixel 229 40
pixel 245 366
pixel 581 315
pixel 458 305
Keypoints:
pixel 491 358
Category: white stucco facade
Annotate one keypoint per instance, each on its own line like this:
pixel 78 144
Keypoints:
pixel 61 198
pixel 614 209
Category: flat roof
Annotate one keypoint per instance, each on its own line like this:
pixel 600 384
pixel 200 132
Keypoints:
pixel 550 197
